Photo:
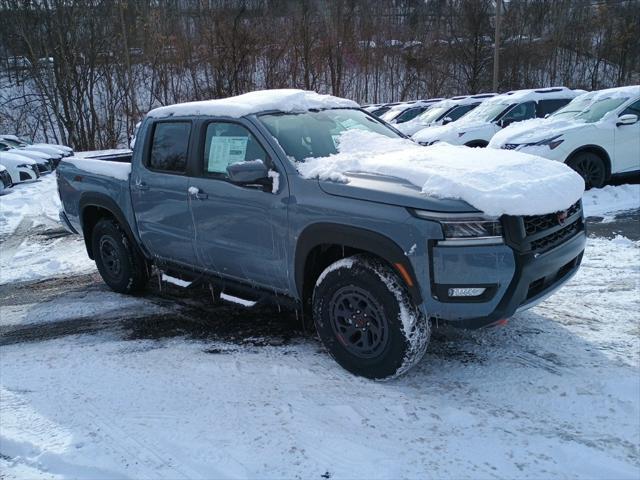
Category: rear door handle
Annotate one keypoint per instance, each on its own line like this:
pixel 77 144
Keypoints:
pixel 196 192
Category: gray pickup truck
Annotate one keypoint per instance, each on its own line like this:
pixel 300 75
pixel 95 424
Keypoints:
pixel 216 198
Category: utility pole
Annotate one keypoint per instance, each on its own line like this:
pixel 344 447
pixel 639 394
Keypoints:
pixel 496 47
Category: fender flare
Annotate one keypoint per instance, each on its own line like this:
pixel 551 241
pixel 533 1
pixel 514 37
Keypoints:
pixel 92 199
pixel 354 237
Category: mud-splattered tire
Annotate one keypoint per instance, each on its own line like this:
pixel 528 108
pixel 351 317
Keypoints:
pixel 366 320
pixel 119 263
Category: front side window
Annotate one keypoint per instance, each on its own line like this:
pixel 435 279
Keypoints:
pixel 633 109
pixel 520 112
pixel 170 146
pixel 458 112
pixel 410 114
pixel 227 143
pixel 317 133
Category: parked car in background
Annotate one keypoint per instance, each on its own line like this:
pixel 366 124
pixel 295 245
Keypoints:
pixel 5 179
pixel 46 162
pixel 52 149
pixel 407 111
pixel 444 112
pixel 597 134
pixel 477 127
pixel 378 112
pixel 20 168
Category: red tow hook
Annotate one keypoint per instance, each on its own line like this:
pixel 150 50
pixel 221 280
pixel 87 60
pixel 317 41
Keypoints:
pixel 501 323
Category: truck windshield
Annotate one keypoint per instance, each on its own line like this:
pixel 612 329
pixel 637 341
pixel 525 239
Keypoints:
pixel 316 133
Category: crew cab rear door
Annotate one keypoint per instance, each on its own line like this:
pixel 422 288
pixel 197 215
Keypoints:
pixel 240 230
pixel 159 191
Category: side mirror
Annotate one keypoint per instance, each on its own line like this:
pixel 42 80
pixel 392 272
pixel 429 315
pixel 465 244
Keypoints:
pixel 446 120
pixel 254 172
pixel 627 119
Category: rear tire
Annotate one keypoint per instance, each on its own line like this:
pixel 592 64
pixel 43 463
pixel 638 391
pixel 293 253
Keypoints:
pixel 121 266
pixel 591 168
pixel 366 319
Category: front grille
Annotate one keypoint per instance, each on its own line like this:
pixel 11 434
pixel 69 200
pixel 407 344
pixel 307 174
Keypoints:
pixel 510 146
pixel 539 233
pixel 538 223
pixel 555 238
pixel 42 168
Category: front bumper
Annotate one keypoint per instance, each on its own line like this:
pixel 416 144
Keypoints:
pixel 539 253
pixel 536 277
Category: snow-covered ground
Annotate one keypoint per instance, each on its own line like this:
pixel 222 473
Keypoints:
pixel 98 385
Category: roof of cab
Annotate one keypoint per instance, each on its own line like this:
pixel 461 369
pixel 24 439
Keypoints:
pixel 284 100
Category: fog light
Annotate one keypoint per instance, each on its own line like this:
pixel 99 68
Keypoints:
pixel 466 292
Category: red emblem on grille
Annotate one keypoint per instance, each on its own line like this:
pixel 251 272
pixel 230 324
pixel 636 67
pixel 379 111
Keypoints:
pixel 562 217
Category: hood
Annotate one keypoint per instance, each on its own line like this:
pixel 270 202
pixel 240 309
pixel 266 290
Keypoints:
pixel 393 191
pixel 535 130
pixel 13 159
pixel 452 133
pixel 32 154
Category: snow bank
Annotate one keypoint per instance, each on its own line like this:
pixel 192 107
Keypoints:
pixel 118 170
pixel 605 202
pixel 284 100
pixel 494 181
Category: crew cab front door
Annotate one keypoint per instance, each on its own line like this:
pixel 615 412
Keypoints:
pixel 159 192
pixel 240 230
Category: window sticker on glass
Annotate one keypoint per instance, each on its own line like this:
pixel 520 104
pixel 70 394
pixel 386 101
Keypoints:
pixel 225 151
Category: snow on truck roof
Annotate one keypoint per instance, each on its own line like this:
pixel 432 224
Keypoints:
pixel 284 100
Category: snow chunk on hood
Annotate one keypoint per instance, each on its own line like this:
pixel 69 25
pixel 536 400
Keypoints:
pixel 284 100
pixel 117 170
pixel 496 182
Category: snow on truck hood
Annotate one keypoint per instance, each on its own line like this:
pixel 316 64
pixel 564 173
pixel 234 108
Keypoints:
pixel 495 182
pixel 451 131
pixel 284 100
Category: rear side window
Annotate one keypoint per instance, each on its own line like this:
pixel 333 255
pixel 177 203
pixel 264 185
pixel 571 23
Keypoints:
pixel 547 107
pixel 227 143
pixel 169 147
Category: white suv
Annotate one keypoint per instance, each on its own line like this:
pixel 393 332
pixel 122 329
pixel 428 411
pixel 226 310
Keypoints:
pixel 477 127
pixel 444 112
pixel 597 134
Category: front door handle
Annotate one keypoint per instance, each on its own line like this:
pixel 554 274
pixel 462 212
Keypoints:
pixel 196 192
pixel 140 185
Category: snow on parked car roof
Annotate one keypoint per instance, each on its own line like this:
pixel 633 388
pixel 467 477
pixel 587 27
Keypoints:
pixel 535 94
pixel 284 100
pixel 496 182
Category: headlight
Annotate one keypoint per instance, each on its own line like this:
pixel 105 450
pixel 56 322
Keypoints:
pixel 460 228
pixel 25 165
pixel 471 228
pixel 551 142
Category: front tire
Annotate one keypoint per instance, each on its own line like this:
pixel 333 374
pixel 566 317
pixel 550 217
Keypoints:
pixel 591 168
pixel 119 263
pixel 366 319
